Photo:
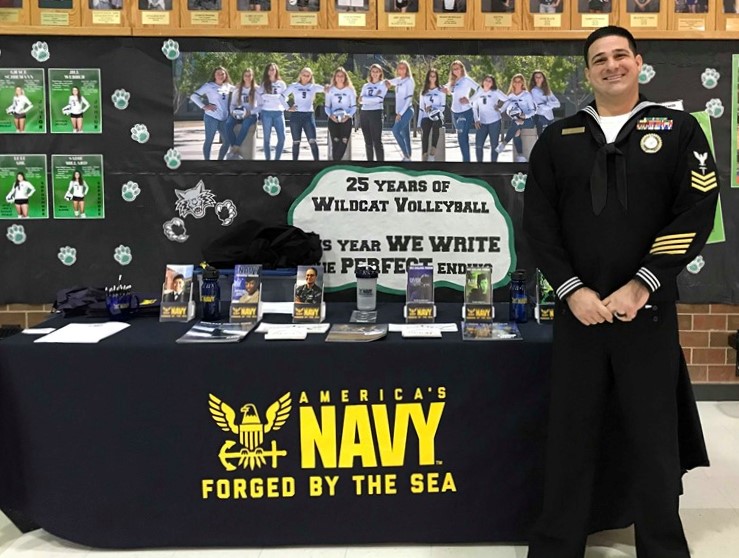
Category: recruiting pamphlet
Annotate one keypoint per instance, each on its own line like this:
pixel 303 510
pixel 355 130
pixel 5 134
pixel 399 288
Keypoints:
pixel 308 294
pixel 419 300
pixel 246 293
pixel 177 304
pixel 210 332
pixel 493 331
pixel 356 333
pixel 545 298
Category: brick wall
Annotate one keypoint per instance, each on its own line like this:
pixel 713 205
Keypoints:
pixel 705 331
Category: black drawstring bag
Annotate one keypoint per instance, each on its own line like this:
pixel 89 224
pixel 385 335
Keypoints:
pixel 272 246
pixel 77 301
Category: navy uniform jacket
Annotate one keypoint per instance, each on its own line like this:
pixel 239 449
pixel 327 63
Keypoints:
pixel 642 207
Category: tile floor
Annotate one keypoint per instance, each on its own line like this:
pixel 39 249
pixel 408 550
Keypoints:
pixel 709 509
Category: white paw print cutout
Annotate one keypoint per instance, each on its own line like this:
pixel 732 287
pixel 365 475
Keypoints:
pixel 709 78
pixel 647 74
pixel 696 265
pixel 120 98
pixel 272 185
pixel 175 230
pixel 715 108
pixel 226 212
pixel 171 49
pixel 140 133
pixel 122 254
pixel 67 255
pixel 518 181
pixel 173 159
pixel 130 191
pixel 40 51
pixel 16 234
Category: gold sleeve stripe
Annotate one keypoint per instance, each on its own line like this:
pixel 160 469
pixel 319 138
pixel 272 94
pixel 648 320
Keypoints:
pixel 675 242
pixel 671 245
pixel 663 251
pixel 671 236
pixel 704 187
pixel 703 177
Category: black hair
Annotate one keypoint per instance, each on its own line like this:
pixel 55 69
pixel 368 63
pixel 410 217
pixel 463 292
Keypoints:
pixel 608 31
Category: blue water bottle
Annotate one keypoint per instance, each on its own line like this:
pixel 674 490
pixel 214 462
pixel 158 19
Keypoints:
pixel 519 298
pixel 210 294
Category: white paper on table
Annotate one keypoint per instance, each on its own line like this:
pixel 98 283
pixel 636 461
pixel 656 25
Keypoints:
pixel 277 307
pixel 38 330
pixel 83 333
pixel 421 331
pixel 266 327
pixel 442 327
pixel 286 333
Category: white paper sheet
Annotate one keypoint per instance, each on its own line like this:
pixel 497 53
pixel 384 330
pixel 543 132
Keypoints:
pixel 83 333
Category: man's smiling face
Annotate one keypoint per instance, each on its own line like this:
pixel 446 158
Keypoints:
pixel 613 69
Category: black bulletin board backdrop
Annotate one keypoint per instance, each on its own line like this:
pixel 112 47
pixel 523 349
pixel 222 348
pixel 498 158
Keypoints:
pixel 32 273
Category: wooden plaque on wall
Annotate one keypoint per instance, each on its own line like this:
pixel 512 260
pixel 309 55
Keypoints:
pixel 253 14
pixel 204 14
pixel 680 18
pixel 148 14
pixel 592 14
pixel 653 16
pixel 455 16
pixel 292 15
pixel 106 13
pixel 498 15
pixel 15 12
pixel 391 17
pixel 55 13
pixel 352 14
pixel 727 15
pixel 547 15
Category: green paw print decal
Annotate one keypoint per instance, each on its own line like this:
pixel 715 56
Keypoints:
pixel 130 191
pixel 171 49
pixel 40 51
pixel 16 234
pixel 67 255
pixel 696 265
pixel 519 181
pixel 173 159
pixel 120 98
pixel 710 77
pixel 140 133
pixel 715 108
pixel 272 185
pixel 122 255
pixel 647 74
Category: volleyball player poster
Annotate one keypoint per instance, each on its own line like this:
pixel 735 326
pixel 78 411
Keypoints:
pixel 75 101
pixel 23 101
pixel 23 187
pixel 77 186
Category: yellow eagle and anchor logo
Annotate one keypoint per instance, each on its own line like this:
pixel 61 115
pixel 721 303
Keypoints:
pixel 251 432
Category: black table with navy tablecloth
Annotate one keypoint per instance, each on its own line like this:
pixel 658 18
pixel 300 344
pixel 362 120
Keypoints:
pixel 115 445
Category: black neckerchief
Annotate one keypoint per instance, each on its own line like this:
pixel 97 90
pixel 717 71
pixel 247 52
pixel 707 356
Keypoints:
pixel 599 174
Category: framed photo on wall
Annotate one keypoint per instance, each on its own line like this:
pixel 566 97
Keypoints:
pixel 55 13
pixel 302 14
pixel 156 14
pixel 352 14
pixel 592 14
pixel 547 15
pixel 106 13
pixel 727 15
pixel 401 15
pixel 451 15
pixel 500 15
pixel 15 12
pixel 644 14
pixel 692 15
pixel 253 14
pixel 204 13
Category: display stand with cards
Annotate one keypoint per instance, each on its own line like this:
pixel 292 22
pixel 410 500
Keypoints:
pixel 352 15
pixel 699 16
pixel 177 304
pixel 308 304
pixel 547 15
pixel 302 15
pixel 450 15
pixel 545 298
pixel 478 311
pixel 419 300
pixel 62 14
pixel 155 17
pixel 401 16
pixel 246 294
pixel 498 15
pixel 592 14
pixel 204 14
pixel 253 15
pixel 16 12
pixel 111 15
pixel 651 16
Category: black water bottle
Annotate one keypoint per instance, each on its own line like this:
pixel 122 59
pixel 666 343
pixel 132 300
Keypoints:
pixel 519 298
pixel 210 295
